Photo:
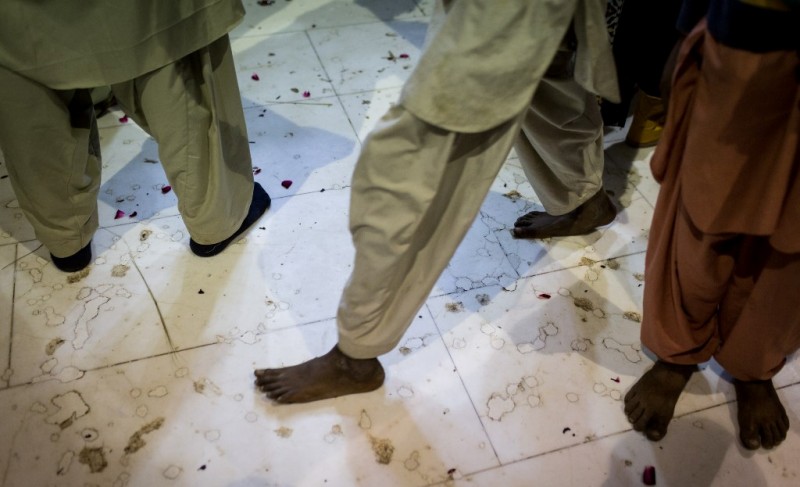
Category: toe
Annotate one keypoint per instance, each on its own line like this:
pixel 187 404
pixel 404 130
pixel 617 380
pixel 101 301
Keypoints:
pixel 639 420
pixel 657 429
pixel 771 437
pixel 631 403
pixel 633 412
pixel 750 439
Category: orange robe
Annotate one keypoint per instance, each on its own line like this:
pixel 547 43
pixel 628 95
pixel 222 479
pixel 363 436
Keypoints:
pixel 723 260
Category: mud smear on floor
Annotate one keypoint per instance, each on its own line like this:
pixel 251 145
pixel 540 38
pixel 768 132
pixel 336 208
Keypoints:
pixel 53 345
pixel 513 195
pixel 144 235
pixel 612 264
pixel 632 316
pixel 135 443
pixel 119 270
pixel 78 276
pixel 383 449
pixel 483 299
pixel 284 432
pixel 94 458
pixel 583 304
pixel 587 261
pixel 456 307
pixel 71 406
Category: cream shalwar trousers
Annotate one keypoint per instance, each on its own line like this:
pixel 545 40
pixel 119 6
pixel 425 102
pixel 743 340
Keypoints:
pixel 417 189
pixel 191 107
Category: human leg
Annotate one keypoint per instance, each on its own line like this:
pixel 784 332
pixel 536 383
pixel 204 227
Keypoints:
pixel 192 108
pixel 759 328
pixel 50 142
pixel 416 191
pixel 561 150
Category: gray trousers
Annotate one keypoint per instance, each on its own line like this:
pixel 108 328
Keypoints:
pixel 417 190
pixel 192 109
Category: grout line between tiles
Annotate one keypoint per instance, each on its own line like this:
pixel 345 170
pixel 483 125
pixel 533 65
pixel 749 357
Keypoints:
pixel 155 303
pixel 11 317
pixel 464 385
pixel 525 278
pixel 335 91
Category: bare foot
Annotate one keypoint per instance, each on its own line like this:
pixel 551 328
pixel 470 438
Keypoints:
pixel 762 418
pixel 650 403
pixel 331 375
pixel 595 212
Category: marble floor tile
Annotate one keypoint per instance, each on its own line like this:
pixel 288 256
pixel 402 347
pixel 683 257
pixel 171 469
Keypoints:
pixel 368 57
pixel 195 418
pixel 308 145
pixel 291 16
pixel 279 68
pixel 272 278
pixel 557 350
pixel 133 186
pixel 365 109
pixel 66 324
pixel 701 449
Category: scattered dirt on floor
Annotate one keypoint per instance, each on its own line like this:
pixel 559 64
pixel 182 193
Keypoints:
pixel 587 261
pixel 584 304
pixel 94 458
pixel 53 345
pixel 639 277
pixel 119 270
pixel 144 235
pixel 284 432
pixel 383 449
pixel 632 316
pixel 135 443
pixel 455 307
pixel 483 299
pixel 612 264
pixel 513 195
pixel 78 276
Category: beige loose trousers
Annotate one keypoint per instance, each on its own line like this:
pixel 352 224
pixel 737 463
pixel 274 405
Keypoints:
pixel 417 188
pixel 192 109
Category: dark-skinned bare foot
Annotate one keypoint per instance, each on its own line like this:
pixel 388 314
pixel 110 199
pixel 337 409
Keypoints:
pixel 595 212
pixel 650 403
pixel 762 419
pixel 331 375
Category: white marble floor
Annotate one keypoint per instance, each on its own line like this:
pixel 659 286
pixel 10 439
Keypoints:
pixel 138 372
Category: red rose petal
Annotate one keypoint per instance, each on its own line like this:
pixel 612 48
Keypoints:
pixel 266 3
pixel 256 170
pixel 124 119
pixel 286 183
pixel 543 296
pixel 306 94
pixel 133 214
pixel 119 214
pixel 615 379
pixel 255 77
pixel 649 475
pixel 403 56
pixel 166 189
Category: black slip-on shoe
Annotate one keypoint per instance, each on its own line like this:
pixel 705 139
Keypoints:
pixel 75 262
pixel 258 206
